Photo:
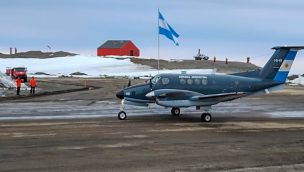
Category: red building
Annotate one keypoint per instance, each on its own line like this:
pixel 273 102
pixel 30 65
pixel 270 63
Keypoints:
pixel 118 48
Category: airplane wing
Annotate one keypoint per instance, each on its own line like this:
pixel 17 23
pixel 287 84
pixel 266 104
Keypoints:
pixel 174 94
pixel 219 97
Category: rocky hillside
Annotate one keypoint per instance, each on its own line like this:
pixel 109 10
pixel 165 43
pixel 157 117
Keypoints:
pixel 37 54
pixel 220 66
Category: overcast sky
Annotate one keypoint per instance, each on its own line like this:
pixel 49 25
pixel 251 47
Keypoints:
pixel 222 28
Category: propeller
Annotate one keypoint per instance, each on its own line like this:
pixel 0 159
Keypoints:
pixel 129 83
pixel 120 94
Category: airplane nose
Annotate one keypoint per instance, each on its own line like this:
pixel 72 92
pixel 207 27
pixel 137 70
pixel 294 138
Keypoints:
pixel 120 94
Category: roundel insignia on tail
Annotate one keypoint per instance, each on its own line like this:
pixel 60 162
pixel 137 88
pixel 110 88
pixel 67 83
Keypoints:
pixel 286 65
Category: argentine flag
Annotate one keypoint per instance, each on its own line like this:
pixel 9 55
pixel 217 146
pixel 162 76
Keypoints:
pixel 165 29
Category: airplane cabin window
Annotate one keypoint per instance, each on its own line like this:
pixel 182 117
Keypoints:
pixel 165 81
pixel 182 81
pixel 197 81
pixel 204 81
pixel 190 81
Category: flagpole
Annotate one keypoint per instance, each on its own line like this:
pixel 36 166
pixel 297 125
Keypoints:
pixel 158 42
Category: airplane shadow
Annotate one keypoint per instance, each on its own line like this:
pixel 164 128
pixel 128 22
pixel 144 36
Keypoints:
pixel 193 118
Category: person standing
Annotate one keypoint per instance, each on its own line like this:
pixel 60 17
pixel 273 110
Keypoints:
pixel 33 84
pixel 18 85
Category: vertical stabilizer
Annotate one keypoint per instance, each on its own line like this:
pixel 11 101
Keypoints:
pixel 278 67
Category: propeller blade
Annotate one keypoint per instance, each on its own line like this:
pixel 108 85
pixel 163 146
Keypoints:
pixel 129 84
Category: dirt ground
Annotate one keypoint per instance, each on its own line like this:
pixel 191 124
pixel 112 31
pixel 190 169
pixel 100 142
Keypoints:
pixel 152 144
pixel 53 89
pixel 250 134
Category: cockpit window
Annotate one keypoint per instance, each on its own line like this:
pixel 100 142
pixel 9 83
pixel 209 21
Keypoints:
pixel 155 80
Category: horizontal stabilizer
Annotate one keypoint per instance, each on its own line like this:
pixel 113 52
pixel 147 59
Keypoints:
pixel 288 47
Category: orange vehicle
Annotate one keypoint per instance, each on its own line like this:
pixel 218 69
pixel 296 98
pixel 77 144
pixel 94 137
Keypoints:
pixel 16 72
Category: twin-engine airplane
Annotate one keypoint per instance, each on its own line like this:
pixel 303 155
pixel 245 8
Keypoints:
pixel 203 91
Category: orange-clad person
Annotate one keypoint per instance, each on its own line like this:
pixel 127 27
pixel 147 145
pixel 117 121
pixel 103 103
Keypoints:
pixel 18 85
pixel 33 84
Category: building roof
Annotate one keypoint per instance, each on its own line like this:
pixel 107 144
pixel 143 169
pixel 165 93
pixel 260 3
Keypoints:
pixel 114 44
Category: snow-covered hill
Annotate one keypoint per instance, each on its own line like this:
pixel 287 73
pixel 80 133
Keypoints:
pixel 298 81
pixel 91 65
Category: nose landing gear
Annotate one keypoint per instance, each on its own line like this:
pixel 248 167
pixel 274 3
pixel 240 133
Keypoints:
pixel 122 115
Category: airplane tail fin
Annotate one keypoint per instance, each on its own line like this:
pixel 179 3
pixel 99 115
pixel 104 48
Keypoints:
pixel 277 68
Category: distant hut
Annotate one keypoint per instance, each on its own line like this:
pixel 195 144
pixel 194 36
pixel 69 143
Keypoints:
pixel 118 48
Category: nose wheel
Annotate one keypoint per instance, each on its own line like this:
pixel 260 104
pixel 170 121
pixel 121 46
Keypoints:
pixel 206 117
pixel 122 115
pixel 175 111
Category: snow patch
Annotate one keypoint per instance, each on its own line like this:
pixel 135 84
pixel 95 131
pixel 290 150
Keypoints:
pixel 298 81
pixel 93 66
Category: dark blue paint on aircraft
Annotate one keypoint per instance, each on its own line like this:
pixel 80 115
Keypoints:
pixel 203 91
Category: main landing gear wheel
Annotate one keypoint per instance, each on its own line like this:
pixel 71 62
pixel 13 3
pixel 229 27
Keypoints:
pixel 122 115
pixel 175 111
pixel 206 117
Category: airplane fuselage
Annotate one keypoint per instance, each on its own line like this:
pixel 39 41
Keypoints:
pixel 211 83
pixel 204 84
pixel 205 90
